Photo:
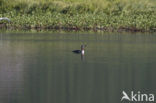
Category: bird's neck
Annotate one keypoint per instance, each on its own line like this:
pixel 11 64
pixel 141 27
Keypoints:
pixel 82 51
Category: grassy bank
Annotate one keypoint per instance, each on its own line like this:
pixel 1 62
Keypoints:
pixel 132 15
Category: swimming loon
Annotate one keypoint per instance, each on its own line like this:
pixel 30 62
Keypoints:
pixel 79 51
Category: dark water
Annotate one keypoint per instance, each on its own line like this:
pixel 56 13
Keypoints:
pixel 40 68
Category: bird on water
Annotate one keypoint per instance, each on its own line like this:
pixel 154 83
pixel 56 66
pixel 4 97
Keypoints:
pixel 79 51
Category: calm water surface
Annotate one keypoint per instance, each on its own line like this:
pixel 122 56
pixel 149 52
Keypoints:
pixel 40 68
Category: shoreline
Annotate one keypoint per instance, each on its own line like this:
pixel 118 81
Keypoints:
pixel 57 28
pixel 116 15
pixel 130 22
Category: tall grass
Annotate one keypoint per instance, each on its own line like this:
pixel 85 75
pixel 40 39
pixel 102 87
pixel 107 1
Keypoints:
pixel 78 5
pixel 80 13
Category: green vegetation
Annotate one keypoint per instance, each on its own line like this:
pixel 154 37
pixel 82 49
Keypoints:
pixel 133 15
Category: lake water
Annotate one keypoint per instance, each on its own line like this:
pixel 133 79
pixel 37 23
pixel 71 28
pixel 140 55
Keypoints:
pixel 41 68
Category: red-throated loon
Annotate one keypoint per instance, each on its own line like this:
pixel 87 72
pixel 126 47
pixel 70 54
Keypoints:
pixel 79 51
